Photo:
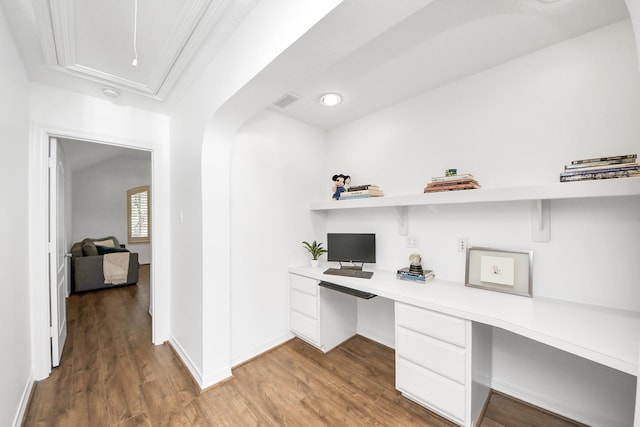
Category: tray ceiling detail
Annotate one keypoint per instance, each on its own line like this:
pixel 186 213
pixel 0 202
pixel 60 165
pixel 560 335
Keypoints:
pixel 94 39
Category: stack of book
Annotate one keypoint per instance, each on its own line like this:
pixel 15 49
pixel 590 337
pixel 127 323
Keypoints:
pixel 601 168
pixel 452 183
pixel 362 192
pixel 412 276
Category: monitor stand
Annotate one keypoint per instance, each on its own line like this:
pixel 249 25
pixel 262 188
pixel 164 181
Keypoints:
pixel 353 267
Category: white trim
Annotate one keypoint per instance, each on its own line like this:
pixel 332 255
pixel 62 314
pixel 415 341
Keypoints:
pixel 24 401
pixel 214 378
pixel 38 236
pixel 194 24
pixel 38 253
pixel 263 348
pixel 184 356
pixel 203 382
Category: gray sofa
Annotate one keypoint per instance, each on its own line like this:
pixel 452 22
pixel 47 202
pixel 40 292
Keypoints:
pixel 87 259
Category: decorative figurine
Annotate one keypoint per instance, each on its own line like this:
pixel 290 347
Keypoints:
pixel 415 272
pixel 415 263
pixel 339 182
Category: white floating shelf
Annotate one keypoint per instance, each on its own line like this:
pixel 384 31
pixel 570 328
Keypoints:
pixel 538 193
pixel 560 190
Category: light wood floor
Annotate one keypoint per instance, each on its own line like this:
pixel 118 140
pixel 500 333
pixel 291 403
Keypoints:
pixel 111 375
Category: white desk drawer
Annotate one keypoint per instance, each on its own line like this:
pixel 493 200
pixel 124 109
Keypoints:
pixel 304 303
pixel 433 390
pixel 304 284
pixel 305 326
pixel 437 325
pixel 437 356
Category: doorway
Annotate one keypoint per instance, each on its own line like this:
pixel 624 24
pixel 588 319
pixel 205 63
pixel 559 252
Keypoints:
pixel 39 239
pixel 95 184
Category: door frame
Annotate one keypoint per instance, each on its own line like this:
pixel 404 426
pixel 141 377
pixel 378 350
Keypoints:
pixel 38 237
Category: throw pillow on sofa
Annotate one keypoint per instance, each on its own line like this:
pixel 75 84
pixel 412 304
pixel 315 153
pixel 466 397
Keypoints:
pixel 107 242
pixel 109 249
pixel 89 248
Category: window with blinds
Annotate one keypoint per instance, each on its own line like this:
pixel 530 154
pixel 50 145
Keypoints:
pixel 139 214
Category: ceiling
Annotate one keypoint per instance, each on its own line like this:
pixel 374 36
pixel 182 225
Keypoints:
pixel 135 45
pixel 444 41
pixel 87 45
pixel 82 155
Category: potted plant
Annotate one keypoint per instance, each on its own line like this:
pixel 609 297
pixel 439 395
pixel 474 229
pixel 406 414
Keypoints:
pixel 316 250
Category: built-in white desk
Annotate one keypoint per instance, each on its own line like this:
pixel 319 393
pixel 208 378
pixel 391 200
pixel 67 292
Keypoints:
pixel 609 337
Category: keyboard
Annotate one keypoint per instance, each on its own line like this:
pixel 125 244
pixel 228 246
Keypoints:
pixel 344 289
pixel 348 272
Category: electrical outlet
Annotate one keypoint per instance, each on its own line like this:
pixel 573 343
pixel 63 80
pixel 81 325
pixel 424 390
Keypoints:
pixel 462 244
pixel 413 242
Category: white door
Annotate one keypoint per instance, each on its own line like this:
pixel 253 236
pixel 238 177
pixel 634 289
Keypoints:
pixel 57 259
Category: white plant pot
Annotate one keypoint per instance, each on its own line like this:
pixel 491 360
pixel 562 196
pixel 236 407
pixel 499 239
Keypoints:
pixel 315 263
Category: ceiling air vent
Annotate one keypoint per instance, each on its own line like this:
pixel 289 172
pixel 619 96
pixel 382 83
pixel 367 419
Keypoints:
pixel 286 100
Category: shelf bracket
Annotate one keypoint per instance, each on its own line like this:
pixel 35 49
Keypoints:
pixel 403 220
pixel 540 221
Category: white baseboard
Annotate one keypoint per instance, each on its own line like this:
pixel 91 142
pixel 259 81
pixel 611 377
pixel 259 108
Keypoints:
pixel 24 402
pixel 215 378
pixel 203 382
pixel 186 360
pixel 377 338
pixel 552 406
pixel 256 351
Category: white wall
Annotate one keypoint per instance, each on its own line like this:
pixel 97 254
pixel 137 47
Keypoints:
pixel 515 124
pixel 100 200
pixel 274 164
pixel 561 382
pixel 15 352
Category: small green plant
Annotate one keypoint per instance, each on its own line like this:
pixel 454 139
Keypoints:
pixel 315 249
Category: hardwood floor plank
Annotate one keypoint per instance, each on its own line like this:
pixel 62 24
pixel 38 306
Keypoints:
pixel 223 406
pixel 330 398
pixel 43 410
pixel 141 420
pixel 509 412
pixel 88 404
pixel 162 407
pixel 122 390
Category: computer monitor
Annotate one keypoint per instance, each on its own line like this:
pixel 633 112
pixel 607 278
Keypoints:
pixel 351 247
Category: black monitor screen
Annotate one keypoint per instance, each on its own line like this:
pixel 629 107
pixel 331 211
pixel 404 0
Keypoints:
pixel 351 247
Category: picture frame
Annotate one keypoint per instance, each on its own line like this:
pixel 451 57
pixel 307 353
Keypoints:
pixel 500 270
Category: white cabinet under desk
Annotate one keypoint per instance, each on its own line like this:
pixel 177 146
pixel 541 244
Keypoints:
pixel 454 325
pixel 437 364
pixel 320 316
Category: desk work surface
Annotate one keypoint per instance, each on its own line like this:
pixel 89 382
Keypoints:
pixel 606 336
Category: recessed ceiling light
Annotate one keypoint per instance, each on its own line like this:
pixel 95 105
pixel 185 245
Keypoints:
pixel 330 99
pixel 111 93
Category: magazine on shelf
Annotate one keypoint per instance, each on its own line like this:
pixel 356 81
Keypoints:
pixel 605 159
pixel 452 177
pixel 600 175
pixel 363 187
pixel 605 163
pixel 359 192
pixel 632 167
